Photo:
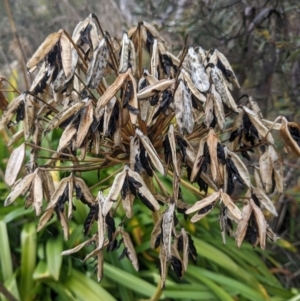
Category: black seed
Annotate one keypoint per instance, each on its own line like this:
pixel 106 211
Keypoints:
pixel 234 171
pixel 145 161
pixel 157 241
pixel 295 133
pixel 154 100
pixel 135 183
pixel 123 254
pixel 85 35
pixel 167 150
pixel 132 110
pixel 143 84
pixel 182 146
pixel 150 40
pixel 91 217
pixel 20 112
pixel 177 266
pixel 124 189
pixel 205 209
pixel 235 134
pixel 112 245
pixel 245 155
pixel 145 201
pixel 255 199
pixel 221 153
pixel 112 125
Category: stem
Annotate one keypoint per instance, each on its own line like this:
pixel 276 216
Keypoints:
pixel 6 293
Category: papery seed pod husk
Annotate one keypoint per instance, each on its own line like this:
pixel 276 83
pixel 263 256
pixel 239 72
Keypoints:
pixel 197 161
pixel 131 253
pixel 66 57
pixel 212 198
pixel 242 169
pixel 30 116
pixel 235 211
pixel 58 192
pixel 100 262
pixel 114 191
pixel 198 74
pixel 37 194
pixel 20 187
pixel 218 108
pixel 70 201
pixel 192 87
pixel 97 66
pixel 243 224
pixel 66 137
pixel 257 178
pixel 78 247
pixel 156 233
pixel 212 142
pixel 101 220
pixel 43 50
pixel 209 111
pixel 124 59
pixel 183 109
pixel 167 228
pixel 86 120
pixel 185 249
pixel 257 122
pixel 81 26
pixel 48 184
pixel 154 63
pixel 15 138
pixel 143 190
pixel 171 137
pixel 108 110
pixel 266 170
pixel 10 111
pixel 271 235
pixel 111 91
pixel 277 168
pixel 219 82
pixel 264 200
pixel 88 197
pixel 261 224
pixel 64 115
pixel 133 102
pixel 94 36
pixel 285 132
pixel 64 224
pixel 153 89
pixel 45 218
pixel 230 75
pixel 14 165
pixel 151 151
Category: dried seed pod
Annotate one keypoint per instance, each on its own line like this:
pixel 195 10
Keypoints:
pixel 218 81
pixel 198 74
pixel 153 89
pixel 290 134
pixel 97 66
pixel 243 224
pixel 167 226
pixel 261 224
pixel 19 188
pixel 266 170
pixel 241 168
pixel 204 202
pixel 130 251
pixel 277 168
pixel 37 188
pixel 235 211
pixel 14 165
pixel 86 120
pixel 183 109
pixel 64 115
pixel 11 109
pixel 43 50
pixel 151 151
pixel 124 59
pixel 264 200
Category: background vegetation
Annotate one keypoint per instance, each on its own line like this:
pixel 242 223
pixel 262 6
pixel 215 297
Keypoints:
pixel 261 40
